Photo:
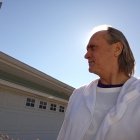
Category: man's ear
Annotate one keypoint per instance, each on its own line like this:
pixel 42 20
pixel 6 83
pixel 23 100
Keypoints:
pixel 118 47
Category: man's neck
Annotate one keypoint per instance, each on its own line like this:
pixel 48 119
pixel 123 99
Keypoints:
pixel 114 80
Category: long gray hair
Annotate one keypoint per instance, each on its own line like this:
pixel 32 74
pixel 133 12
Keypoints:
pixel 126 59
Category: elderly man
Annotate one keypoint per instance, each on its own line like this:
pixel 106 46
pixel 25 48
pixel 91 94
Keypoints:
pixel 108 108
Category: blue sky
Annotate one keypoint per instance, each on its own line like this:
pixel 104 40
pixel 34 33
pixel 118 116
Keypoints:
pixel 50 35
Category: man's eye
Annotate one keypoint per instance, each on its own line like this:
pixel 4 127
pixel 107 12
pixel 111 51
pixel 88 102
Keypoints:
pixel 92 47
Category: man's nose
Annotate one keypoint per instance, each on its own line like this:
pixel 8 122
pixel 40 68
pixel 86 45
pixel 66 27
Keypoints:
pixel 86 55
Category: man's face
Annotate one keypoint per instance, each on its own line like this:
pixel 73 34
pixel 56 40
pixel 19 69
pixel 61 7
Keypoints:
pixel 99 54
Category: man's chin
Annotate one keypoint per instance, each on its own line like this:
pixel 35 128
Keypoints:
pixel 92 71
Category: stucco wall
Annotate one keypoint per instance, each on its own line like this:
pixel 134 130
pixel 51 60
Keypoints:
pixel 28 123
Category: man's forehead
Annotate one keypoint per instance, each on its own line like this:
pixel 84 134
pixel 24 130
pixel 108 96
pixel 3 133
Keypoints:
pixel 99 34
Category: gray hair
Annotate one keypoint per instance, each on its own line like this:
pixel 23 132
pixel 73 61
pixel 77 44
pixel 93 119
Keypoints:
pixel 126 59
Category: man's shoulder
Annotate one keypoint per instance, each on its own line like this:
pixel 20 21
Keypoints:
pixel 86 86
pixel 133 81
pixel 132 84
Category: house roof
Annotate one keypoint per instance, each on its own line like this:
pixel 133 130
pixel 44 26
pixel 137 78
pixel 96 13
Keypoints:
pixel 15 71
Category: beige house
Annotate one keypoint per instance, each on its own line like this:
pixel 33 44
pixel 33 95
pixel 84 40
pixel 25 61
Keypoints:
pixel 32 103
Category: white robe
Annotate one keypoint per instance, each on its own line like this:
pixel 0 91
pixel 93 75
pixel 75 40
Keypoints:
pixel 121 123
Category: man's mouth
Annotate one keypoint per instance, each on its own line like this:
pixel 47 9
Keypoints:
pixel 91 63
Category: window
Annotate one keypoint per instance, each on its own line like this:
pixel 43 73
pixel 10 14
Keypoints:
pixel 61 108
pixel 30 102
pixel 53 107
pixel 42 105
